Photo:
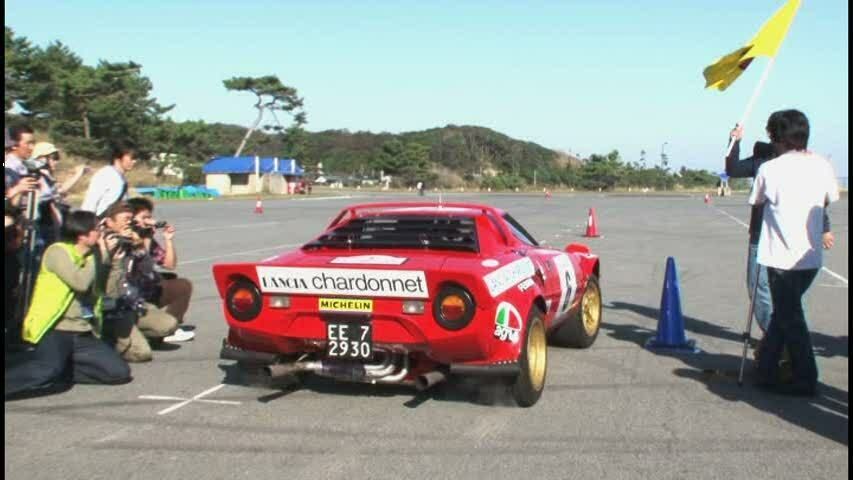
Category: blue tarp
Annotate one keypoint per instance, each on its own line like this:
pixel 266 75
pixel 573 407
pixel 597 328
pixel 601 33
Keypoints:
pixel 186 191
pixel 286 166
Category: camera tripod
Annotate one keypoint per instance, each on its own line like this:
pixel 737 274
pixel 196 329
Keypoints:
pixel 29 270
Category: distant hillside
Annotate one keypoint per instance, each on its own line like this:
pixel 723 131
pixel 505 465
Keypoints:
pixel 464 150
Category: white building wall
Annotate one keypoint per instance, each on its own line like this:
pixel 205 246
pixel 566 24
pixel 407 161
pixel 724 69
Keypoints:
pixel 220 181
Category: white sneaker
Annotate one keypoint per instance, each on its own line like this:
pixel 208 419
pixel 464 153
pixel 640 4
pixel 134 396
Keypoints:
pixel 180 335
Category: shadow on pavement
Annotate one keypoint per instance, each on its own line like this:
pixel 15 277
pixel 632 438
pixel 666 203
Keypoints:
pixel 824 345
pixel 487 393
pixel 825 415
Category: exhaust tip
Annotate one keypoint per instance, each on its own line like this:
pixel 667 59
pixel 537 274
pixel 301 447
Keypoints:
pixel 428 380
pixel 421 383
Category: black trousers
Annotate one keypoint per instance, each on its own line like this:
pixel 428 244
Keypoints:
pixel 788 328
pixel 62 358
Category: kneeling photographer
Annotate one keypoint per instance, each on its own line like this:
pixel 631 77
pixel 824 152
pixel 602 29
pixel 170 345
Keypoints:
pixel 64 321
pixel 135 321
pixel 161 287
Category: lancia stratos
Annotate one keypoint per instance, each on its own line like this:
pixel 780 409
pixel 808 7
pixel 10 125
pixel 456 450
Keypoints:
pixel 413 293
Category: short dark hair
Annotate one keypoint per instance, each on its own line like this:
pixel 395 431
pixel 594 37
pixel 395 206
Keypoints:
pixel 789 128
pixel 119 151
pixel 139 204
pixel 116 208
pixel 78 222
pixel 18 131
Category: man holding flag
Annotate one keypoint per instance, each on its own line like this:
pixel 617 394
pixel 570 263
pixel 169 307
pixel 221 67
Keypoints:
pixel 720 76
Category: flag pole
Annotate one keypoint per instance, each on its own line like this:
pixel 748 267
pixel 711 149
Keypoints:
pixel 752 100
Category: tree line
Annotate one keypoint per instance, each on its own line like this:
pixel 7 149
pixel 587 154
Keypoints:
pixel 86 108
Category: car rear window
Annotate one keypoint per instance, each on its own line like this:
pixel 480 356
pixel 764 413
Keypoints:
pixel 403 231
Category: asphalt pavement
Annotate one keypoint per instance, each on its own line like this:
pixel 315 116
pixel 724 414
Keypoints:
pixel 614 411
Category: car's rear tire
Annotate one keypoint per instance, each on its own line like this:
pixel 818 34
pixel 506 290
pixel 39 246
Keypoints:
pixel 533 361
pixel 581 330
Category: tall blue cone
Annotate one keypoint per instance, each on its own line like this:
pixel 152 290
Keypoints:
pixel 670 335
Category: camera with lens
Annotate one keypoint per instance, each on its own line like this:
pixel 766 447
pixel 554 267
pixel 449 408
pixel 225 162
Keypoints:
pixel 34 168
pixel 148 232
pixel 128 300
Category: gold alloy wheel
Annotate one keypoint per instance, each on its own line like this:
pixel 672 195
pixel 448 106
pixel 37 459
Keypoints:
pixel 591 305
pixel 537 351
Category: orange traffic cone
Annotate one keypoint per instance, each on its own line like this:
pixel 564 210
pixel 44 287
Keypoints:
pixel 707 198
pixel 592 225
pixel 547 193
pixel 259 207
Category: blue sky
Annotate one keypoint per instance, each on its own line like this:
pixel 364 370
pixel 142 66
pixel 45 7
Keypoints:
pixel 579 76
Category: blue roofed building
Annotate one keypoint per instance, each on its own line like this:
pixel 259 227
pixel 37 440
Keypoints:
pixel 249 175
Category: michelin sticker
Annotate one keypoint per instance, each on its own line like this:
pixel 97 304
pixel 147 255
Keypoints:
pixel 508 276
pixel 568 282
pixel 370 260
pixel 507 323
pixel 345 282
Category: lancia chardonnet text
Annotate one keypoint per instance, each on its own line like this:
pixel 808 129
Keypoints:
pixel 339 281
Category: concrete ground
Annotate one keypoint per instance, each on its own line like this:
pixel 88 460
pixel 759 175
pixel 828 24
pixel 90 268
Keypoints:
pixel 613 411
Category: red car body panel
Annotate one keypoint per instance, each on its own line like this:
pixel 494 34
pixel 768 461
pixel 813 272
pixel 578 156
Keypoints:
pixel 505 275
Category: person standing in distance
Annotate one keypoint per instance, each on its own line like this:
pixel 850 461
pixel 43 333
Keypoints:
pixel 109 184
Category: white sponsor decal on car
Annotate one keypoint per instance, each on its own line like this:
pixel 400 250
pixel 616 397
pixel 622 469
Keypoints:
pixel 568 282
pixel 370 260
pixel 489 263
pixel 509 275
pixel 523 286
pixel 343 281
pixel 507 322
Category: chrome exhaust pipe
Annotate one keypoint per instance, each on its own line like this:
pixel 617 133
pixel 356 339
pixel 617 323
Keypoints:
pixel 429 379
pixel 399 376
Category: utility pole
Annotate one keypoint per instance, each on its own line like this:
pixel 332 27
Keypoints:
pixel 534 178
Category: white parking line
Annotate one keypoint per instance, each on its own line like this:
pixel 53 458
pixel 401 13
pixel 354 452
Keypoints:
pixel 308 199
pixel 190 400
pixel 242 225
pixel 165 397
pixel 830 272
pixel 732 217
pixel 243 252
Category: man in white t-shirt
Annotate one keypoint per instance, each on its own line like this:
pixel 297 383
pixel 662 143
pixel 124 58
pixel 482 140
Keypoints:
pixel 794 188
pixel 109 185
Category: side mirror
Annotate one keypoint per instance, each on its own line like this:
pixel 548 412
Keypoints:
pixel 577 248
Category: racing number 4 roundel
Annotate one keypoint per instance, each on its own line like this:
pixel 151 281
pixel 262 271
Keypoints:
pixel 507 323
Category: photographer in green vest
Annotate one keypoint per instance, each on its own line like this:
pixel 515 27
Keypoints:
pixel 63 323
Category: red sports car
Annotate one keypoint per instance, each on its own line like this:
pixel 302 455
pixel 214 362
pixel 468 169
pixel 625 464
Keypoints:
pixel 410 293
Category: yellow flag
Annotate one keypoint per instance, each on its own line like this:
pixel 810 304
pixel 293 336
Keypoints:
pixel 766 42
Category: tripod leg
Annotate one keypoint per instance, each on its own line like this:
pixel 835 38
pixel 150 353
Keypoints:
pixel 748 332
pixel 26 276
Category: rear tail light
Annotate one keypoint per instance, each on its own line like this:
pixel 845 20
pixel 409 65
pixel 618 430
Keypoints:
pixel 243 300
pixel 454 307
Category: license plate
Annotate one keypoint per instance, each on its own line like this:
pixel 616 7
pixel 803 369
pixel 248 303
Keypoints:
pixel 353 340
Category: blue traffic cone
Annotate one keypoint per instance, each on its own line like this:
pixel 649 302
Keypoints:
pixel 670 336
